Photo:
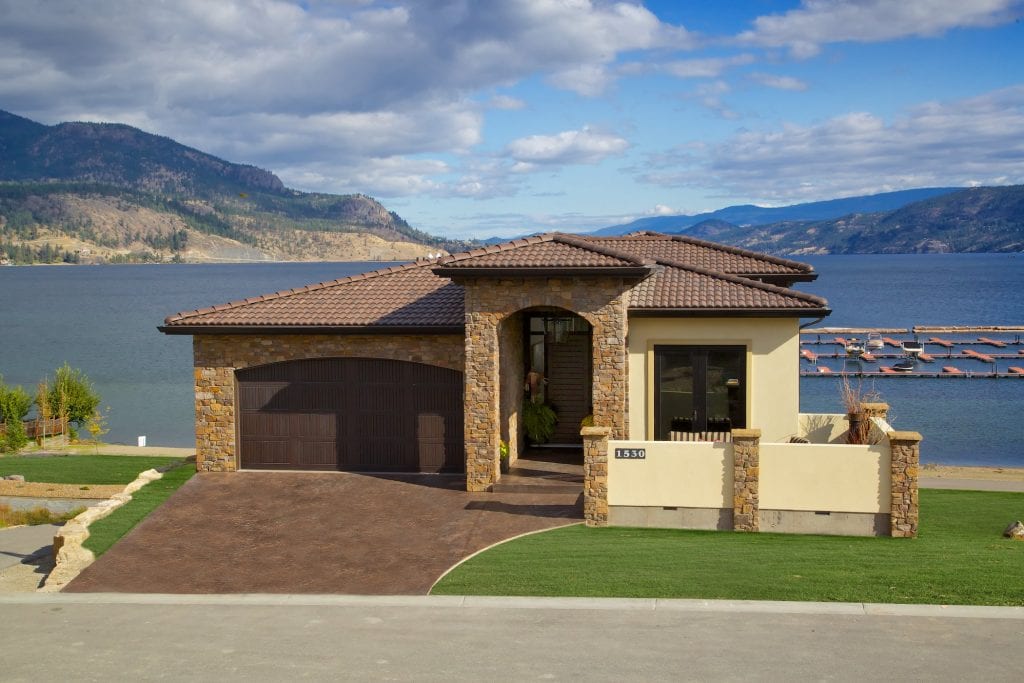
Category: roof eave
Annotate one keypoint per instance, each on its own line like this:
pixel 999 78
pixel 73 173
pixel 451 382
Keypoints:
pixel 311 329
pixel 729 312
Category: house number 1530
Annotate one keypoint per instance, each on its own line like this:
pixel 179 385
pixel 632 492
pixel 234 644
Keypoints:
pixel 630 453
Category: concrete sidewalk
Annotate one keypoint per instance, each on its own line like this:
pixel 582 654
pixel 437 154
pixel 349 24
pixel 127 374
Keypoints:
pixel 21 542
pixel 925 482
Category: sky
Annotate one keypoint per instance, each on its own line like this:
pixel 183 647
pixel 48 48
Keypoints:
pixel 480 118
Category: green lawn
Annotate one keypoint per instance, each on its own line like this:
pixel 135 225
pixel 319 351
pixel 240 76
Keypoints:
pixel 107 531
pixel 960 557
pixel 82 469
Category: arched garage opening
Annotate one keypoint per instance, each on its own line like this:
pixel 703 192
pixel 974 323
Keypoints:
pixel 350 414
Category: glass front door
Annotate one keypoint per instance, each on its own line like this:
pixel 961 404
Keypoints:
pixel 699 389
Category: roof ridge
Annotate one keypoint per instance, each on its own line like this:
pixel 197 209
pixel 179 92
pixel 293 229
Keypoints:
pixel 583 243
pixel 748 282
pixel 184 315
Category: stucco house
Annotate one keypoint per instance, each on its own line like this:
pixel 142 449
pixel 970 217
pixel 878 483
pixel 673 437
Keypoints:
pixel 425 367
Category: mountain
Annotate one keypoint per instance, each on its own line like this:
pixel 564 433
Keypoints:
pixel 748 214
pixel 981 219
pixel 112 192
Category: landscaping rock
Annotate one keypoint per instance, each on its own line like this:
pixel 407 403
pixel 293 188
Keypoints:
pixel 1015 531
pixel 15 477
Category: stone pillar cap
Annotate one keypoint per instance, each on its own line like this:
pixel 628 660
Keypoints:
pixel 904 436
pixel 595 431
pixel 752 433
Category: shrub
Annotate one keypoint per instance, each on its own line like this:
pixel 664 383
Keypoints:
pixel 14 406
pixel 71 396
pixel 539 421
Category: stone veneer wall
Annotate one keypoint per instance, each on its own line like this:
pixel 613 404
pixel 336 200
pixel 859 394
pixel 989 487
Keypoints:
pixel 511 366
pixel 600 300
pixel 216 357
pixel 746 444
pixel 595 475
pixel 906 458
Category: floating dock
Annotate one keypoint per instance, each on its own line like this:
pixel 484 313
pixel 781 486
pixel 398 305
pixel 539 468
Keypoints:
pixel 953 346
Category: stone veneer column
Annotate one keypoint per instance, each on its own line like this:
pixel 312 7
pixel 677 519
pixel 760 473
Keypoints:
pixel 482 412
pixel 746 473
pixel 906 457
pixel 595 475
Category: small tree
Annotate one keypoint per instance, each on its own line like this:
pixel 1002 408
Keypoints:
pixel 97 426
pixel 71 396
pixel 14 406
pixel 43 406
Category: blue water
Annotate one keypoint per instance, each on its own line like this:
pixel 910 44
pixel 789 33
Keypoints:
pixel 103 320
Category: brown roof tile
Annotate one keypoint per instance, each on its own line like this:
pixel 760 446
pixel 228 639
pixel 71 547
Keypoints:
pixel 553 250
pixel 690 277
pixel 687 288
pixel 701 253
pixel 402 296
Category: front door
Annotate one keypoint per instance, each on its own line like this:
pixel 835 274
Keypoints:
pixel 699 389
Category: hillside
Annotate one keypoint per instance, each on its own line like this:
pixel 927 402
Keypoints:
pixel 748 214
pixel 110 192
pixel 982 219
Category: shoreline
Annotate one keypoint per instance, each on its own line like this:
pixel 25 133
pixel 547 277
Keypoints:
pixel 972 472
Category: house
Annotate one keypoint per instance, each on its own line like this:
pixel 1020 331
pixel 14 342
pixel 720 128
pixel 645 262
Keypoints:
pixel 424 367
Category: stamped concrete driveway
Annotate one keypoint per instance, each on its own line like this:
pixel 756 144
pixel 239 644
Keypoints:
pixel 270 532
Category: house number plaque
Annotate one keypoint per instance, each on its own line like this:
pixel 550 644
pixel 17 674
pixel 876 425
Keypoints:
pixel 630 453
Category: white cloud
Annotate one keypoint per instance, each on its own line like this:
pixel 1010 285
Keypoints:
pixel 315 86
pixel 975 140
pixel 505 102
pixel 584 146
pixel 778 82
pixel 710 95
pixel 817 22
pixel 711 67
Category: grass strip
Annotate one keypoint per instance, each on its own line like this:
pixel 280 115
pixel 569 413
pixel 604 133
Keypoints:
pixel 82 469
pixel 960 557
pixel 107 531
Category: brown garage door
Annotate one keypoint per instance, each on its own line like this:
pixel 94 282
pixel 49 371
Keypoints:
pixel 353 414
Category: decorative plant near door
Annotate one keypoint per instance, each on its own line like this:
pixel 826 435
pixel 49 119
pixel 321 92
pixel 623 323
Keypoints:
pixel 539 421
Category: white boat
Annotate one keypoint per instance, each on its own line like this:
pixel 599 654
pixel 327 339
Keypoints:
pixel 854 348
pixel 913 348
pixel 874 341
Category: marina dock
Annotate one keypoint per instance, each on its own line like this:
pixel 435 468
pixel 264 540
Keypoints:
pixel 977 351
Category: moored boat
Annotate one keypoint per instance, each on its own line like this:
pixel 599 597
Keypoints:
pixel 913 348
pixel 874 341
pixel 903 366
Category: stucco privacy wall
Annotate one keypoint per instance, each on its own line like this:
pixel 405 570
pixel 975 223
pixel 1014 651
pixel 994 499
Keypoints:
pixel 773 367
pixel 673 474
pixel 838 478
pixel 216 357
pixel 489 300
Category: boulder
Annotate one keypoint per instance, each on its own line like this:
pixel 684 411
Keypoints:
pixel 1015 531
pixel 15 477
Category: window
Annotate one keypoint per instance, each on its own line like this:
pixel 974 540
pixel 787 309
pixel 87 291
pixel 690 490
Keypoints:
pixel 699 389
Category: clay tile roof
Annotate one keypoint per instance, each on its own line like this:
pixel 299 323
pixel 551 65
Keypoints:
pixel 420 295
pixel 401 296
pixel 701 253
pixel 553 250
pixel 681 287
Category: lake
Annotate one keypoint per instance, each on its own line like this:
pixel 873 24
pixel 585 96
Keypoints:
pixel 103 320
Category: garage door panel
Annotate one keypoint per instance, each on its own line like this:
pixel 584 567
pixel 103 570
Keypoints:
pixel 351 414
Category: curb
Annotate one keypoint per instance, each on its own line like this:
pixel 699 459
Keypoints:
pixel 69 557
pixel 849 609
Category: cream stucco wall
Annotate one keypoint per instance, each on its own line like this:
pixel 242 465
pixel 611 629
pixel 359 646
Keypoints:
pixel 820 477
pixel 674 474
pixel 773 367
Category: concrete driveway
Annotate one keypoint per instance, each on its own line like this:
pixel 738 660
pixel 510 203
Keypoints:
pixel 270 532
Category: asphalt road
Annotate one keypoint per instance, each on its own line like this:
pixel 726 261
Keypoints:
pixel 279 637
